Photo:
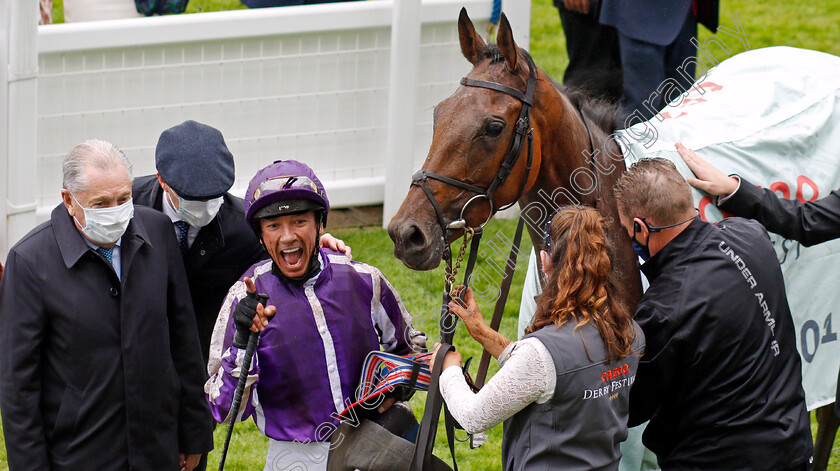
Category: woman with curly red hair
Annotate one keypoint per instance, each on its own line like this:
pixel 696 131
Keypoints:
pixel 563 390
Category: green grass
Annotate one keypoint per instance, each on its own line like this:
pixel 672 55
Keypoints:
pixel 811 25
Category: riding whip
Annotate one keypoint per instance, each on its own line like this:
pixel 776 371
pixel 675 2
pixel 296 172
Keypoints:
pixel 243 378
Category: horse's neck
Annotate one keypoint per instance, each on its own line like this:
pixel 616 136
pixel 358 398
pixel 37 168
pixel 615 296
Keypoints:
pixel 565 154
pixel 566 163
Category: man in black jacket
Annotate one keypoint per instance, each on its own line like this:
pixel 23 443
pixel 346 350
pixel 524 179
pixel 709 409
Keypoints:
pixel 101 367
pixel 809 223
pixel 195 172
pixel 720 380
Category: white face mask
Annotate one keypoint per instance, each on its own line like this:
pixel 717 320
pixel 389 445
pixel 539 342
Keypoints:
pixel 198 213
pixel 106 225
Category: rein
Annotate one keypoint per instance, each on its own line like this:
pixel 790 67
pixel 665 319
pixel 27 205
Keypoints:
pixel 472 235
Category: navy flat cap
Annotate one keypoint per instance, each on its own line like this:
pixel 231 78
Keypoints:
pixel 194 160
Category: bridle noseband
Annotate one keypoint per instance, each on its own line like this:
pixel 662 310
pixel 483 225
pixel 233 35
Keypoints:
pixel 522 131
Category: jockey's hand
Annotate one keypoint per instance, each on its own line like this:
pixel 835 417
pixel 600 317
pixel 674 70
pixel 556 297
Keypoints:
pixel 386 404
pixel 453 358
pixel 250 315
pixel 580 6
pixel 709 178
pixel 328 241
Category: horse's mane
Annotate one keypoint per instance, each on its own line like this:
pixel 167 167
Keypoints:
pixel 603 113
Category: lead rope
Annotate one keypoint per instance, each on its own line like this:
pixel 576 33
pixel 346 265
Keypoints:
pixel 448 322
pixel 450 271
pixel 434 401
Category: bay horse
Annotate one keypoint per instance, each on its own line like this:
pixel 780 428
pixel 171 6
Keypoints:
pixel 573 159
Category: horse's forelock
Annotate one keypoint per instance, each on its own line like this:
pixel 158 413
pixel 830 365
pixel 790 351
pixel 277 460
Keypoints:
pixel 493 53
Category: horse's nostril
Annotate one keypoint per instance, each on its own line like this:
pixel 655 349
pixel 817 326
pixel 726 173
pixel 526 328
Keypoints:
pixel 415 238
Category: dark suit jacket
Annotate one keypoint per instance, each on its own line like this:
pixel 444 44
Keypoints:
pixel 98 373
pixel 809 223
pixel 656 21
pixel 221 253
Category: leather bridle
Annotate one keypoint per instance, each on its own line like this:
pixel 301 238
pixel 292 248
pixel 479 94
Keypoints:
pixel 522 131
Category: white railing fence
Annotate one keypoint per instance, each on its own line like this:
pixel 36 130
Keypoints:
pixel 315 83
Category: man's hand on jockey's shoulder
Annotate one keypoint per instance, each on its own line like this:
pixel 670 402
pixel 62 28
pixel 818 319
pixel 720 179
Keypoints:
pixel 580 6
pixel 328 241
pixel 250 315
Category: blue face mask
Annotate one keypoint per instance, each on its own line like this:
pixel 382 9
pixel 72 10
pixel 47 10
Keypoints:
pixel 641 250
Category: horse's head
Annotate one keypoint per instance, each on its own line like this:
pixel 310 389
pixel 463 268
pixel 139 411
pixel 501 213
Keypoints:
pixel 473 131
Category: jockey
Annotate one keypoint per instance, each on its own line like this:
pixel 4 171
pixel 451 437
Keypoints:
pixel 332 313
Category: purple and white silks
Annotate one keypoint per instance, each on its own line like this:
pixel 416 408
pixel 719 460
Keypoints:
pixel 309 358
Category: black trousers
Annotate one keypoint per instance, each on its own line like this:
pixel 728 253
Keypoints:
pixel 594 58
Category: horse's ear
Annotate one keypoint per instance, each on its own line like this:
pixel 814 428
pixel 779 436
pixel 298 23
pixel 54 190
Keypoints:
pixel 472 46
pixel 504 39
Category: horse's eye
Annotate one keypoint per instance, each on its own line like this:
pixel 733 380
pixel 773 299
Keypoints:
pixel 494 128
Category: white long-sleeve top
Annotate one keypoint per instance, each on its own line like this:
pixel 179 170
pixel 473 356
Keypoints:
pixel 526 375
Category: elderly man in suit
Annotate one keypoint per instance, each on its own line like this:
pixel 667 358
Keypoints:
pixel 101 367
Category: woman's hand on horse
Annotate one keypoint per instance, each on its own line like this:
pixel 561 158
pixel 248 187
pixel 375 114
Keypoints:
pixel 465 307
pixel 453 358
pixel 709 178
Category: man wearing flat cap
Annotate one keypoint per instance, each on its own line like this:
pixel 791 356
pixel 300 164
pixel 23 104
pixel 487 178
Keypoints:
pixel 195 172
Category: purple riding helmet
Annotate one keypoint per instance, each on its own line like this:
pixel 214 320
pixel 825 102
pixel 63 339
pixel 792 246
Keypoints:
pixel 285 187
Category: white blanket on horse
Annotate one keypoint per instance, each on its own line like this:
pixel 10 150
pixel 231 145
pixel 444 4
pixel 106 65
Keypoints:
pixel 773 116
